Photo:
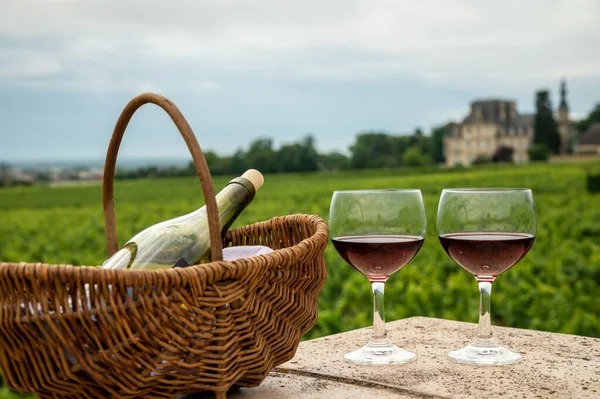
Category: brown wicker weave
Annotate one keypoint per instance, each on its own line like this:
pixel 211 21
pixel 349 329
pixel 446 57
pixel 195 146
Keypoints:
pixel 161 333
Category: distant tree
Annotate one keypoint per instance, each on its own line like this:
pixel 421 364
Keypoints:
pixel 218 166
pixel 298 157
pixel 593 117
pixel 289 158
pixel 226 166
pixel 334 161
pixel 437 142
pixel 212 159
pixel 539 152
pixel 381 150
pixel 374 150
pixel 503 154
pixel 402 143
pixel 150 172
pixel 309 157
pixel 190 168
pixel 262 156
pixel 423 142
pixel 545 128
pixel 123 174
pixel 238 164
pixel 414 157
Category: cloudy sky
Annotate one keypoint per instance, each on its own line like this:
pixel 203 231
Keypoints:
pixel 239 70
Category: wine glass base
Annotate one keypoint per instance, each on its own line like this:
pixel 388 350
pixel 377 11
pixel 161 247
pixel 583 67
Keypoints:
pixel 495 355
pixel 380 354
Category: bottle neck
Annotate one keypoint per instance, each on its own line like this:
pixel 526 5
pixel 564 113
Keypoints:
pixel 231 201
pixel 246 184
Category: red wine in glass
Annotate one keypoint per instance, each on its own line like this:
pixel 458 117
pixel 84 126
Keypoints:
pixel 378 256
pixel 486 254
pixel 486 231
pixel 378 232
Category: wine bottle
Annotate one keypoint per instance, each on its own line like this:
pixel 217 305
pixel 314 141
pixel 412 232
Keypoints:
pixel 185 240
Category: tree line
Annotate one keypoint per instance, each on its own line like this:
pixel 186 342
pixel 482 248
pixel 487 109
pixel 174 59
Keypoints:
pixel 371 149
pixel 546 139
pixel 377 149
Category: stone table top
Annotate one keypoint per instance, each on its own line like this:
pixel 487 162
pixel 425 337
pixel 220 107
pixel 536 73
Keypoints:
pixel 553 366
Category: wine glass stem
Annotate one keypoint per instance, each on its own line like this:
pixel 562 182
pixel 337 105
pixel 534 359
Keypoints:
pixel 483 334
pixel 379 335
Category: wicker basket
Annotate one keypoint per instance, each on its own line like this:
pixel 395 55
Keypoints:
pixel 162 333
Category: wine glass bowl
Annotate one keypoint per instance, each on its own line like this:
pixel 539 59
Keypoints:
pixel 378 232
pixel 486 232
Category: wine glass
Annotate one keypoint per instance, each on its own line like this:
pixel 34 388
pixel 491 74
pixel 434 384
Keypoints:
pixel 486 231
pixel 378 232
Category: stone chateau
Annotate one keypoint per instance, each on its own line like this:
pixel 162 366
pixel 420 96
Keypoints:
pixel 493 123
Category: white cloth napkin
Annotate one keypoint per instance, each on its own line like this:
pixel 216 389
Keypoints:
pixel 244 251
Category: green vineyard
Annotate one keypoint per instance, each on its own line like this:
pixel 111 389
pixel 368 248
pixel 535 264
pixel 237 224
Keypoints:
pixel 554 288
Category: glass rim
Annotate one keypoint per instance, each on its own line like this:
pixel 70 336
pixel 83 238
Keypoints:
pixel 381 190
pixel 487 189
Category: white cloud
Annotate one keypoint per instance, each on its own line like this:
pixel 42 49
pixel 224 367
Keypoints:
pixel 19 64
pixel 441 42
pixel 205 86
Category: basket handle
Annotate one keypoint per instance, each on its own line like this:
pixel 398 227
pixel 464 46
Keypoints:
pixel 110 224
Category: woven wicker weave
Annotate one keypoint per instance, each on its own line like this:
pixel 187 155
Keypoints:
pixel 162 333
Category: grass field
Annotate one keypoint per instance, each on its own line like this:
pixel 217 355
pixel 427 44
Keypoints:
pixel 554 288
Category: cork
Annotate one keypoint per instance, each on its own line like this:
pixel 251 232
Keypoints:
pixel 255 177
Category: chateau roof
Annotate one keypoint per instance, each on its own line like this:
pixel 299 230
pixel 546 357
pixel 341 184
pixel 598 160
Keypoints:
pixel 591 136
pixel 525 119
pixel 498 111
pixel 489 100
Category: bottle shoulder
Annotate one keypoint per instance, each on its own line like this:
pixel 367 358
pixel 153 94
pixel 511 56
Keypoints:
pixel 186 224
